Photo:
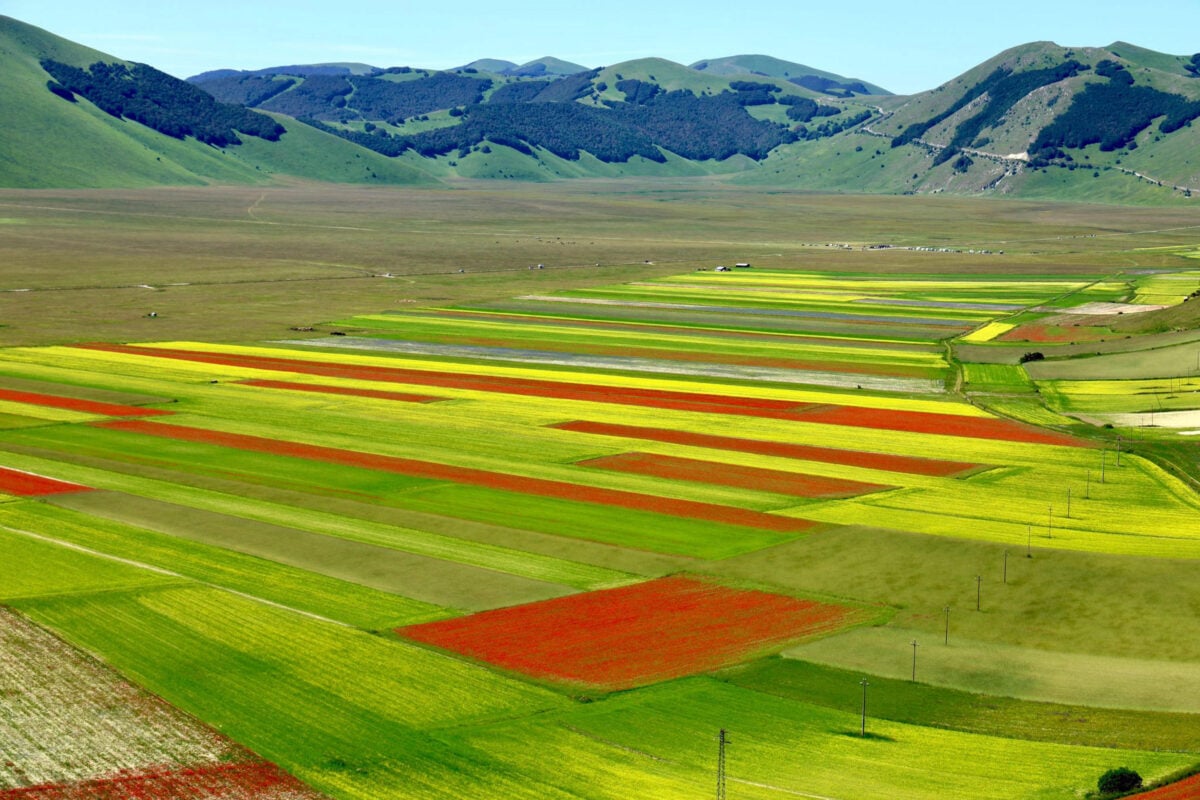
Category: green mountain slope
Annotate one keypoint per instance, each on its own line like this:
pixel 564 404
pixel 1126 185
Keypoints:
pixel 47 141
pixel 768 66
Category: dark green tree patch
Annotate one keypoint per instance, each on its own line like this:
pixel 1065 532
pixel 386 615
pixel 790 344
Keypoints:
pixel 1112 114
pixel 159 101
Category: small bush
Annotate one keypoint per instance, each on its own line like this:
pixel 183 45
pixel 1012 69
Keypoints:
pixel 1034 356
pixel 1121 779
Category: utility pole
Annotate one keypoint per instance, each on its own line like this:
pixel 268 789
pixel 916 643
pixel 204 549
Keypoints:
pixel 1006 567
pixel 1029 540
pixel 978 590
pixel 1068 502
pixel 1087 495
pixel 722 740
pixel 864 717
pixel 914 669
pixel 947 610
pixel 1050 522
pixel 1104 455
pixel 1118 449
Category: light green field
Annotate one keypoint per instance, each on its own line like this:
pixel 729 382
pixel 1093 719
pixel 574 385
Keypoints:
pixel 1007 671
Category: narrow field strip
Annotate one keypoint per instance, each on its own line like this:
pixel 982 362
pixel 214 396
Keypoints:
pixel 768 480
pixel 688 509
pixel 28 484
pixel 635 635
pixel 852 458
pixel 630 363
pixel 652 398
pixel 943 424
pixel 553 321
pixel 400 397
pixel 76 404
pixel 236 781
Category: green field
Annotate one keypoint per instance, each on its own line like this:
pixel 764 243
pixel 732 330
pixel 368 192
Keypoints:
pixel 251 572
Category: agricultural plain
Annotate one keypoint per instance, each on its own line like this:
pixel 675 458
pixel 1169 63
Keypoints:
pixel 479 493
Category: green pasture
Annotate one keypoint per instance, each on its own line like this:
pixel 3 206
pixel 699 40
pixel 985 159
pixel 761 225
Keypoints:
pixel 62 571
pixel 921 703
pixel 1121 396
pixel 1178 361
pixel 1056 601
pixel 222 561
pixel 997 378
pixel 989 668
pixel 780 746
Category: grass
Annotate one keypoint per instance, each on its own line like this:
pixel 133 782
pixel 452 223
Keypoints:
pixel 921 703
pixel 299 256
pixel 277 576
pixel 813 750
pixel 1056 601
pixel 1007 671
pixel 63 571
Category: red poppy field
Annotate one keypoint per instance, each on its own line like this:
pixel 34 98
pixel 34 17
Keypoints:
pixel 257 780
pixel 27 484
pixel 635 635
pixel 739 477
pixel 76 404
pixel 1186 789
pixel 944 424
pixel 829 455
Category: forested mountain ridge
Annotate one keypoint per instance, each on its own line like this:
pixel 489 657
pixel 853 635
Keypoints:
pixel 1040 120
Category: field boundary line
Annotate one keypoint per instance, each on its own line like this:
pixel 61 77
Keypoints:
pixel 171 574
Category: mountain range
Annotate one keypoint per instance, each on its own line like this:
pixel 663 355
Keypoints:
pixel 1040 120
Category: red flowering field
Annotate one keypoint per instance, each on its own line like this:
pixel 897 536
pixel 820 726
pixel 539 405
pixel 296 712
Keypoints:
pixel 945 424
pixel 828 455
pixel 635 635
pixel 27 484
pixel 75 404
pixel 1186 789
pixel 562 490
pixel 252 780
pixel 740 477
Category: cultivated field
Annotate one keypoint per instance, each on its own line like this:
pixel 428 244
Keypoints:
pixel 543 532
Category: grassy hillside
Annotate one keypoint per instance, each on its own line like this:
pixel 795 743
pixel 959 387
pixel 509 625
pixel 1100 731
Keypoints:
pixel 773 67
pixel 88 148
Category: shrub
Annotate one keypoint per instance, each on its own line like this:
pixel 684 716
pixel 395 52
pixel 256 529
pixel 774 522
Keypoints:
pixel 1034 356
pixel 1121 779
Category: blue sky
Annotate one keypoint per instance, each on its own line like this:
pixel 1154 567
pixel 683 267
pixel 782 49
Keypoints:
pixel 904 46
